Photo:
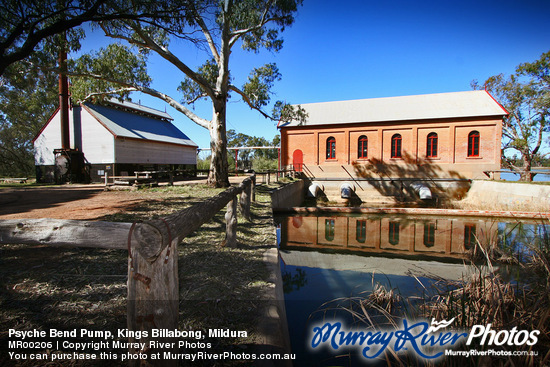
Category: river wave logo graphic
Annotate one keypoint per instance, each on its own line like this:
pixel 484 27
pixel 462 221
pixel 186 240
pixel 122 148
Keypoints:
pixel 436 325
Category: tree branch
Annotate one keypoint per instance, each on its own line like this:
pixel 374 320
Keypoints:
pixel 150 91
pixel 121 37
pixel 263 21
pixel 202 95
pixel 121 90
pixel 34 29
pixel 170 57
pixel 539 137
pixel 207 35
pixel 247 100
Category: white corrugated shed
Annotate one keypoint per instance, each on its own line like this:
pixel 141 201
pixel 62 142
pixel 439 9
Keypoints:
pixel 137 134
pixel 416 107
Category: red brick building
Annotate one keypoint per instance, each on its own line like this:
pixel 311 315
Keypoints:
pixel 402 236
pixel 447 135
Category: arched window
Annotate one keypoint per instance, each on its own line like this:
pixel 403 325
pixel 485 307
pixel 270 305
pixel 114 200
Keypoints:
pixel 396 146
pixel 362 147
pixel 393 234
pixel 431 145
pixel 469 236
pixel 329 229
pixel 361 231
pixel 429 234
pixel 331 148
pixel 473 144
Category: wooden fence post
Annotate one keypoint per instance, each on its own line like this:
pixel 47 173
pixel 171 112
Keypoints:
pixel 231 224
pixel 253 188
pixel 268 177
pixel 153 290
pixel 245 201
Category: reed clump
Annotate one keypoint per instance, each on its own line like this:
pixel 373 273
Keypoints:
pixel 520 300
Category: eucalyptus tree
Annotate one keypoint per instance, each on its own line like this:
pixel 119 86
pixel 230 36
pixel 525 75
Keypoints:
pixel 526 96
pixel 214 26
pixel 28 96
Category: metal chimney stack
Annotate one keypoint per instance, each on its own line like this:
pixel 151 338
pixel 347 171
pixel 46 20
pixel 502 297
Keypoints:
pixel 70 164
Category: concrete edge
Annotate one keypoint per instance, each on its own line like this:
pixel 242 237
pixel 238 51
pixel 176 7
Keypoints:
pixel 290 194
pixel 273 326
pixel 418 211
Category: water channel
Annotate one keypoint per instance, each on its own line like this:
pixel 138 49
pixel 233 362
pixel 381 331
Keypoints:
pixel 328 261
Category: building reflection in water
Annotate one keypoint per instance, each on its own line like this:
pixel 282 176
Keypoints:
pixel 402 236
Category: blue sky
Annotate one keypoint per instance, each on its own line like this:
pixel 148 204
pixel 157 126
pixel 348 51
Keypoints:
pixel 367 49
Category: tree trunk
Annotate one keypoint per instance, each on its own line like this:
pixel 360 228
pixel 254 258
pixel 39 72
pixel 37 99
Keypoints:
pixel 218 176
pixel 525 174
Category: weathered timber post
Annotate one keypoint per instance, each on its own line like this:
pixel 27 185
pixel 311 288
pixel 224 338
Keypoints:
pixel 231 224
pixel 253 188
pixel 65 233
pixel 153 289
pixel 245 201
pixel 268 177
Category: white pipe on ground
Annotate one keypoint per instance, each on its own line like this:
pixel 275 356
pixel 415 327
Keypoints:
pixel 422 190
pixel 346 190
pixel 313 189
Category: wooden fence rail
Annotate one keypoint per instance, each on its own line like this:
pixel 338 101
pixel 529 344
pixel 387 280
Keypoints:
pixel 153 290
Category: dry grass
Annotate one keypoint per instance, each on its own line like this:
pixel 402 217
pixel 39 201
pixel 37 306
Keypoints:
pixel 43 287
pixel 485 297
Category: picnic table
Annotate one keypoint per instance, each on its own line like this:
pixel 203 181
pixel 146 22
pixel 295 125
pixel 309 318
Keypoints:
pixel 14 179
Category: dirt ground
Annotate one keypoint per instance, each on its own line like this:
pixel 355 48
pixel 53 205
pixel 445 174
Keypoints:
pixel 73 201
pixel 63 202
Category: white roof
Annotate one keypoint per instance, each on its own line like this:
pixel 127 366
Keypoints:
pixel 417 107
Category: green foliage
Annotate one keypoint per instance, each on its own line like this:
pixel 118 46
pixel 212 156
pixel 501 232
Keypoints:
pixel 247 13
pixel 29 44
pixel 203 164
pixel 31 26
pixel 285 112
pixel 257 159
pixel 114 63
pixel 526 96
pixel 28 97
pixel 538 87
pixel 193 91
pixel 262 164
pixel 260 83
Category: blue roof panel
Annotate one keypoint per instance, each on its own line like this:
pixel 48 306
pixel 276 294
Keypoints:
pixel 126 124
